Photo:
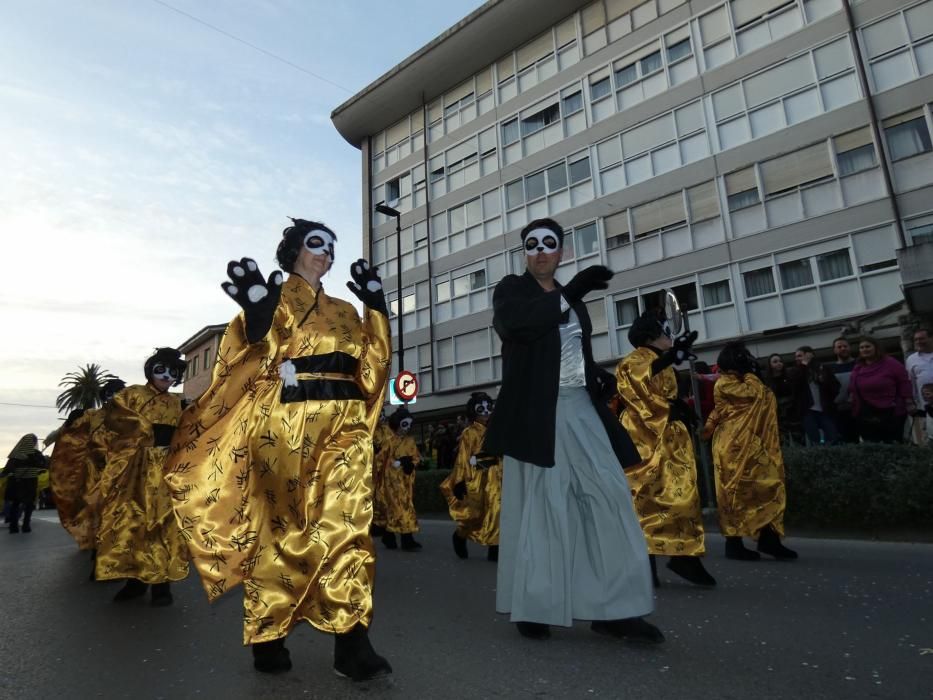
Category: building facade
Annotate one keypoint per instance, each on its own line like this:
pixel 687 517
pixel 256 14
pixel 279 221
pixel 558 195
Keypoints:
pixel 764 158
pixel 200 351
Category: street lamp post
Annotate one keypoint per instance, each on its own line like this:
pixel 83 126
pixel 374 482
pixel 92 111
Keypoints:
pixel 383 208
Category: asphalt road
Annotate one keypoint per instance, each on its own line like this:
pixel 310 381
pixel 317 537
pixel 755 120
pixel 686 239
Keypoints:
pixel 850 619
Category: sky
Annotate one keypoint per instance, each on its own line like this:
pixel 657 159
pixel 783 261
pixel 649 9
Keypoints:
pixel 140 150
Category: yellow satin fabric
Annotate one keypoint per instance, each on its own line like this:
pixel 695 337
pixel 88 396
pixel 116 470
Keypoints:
pixel 478 512
pixel 664 484
pixel 381 438
pixel 277 495
pixel 747 456
pixel 137 536
pixel 397 488
pixel 74 471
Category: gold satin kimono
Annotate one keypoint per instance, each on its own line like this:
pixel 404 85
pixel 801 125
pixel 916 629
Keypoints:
pixel 478 512
pixel 747 456
pixel 664 484
pixel 137 536
pixel 397 491
pixel 272 482
pixel 74 470
pixel 381 438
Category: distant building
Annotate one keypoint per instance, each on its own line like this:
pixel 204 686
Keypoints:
pixel 200 351
pixel 767 159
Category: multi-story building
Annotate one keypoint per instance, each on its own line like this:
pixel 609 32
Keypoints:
pixel 200 350
pixel 763 158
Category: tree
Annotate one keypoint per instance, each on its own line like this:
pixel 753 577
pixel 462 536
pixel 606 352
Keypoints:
pixel 82 388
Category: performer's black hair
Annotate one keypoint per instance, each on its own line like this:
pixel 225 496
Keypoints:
pixel 647 327
pixel 548 224
pixel 735 357
pixel 170 357
pixel 400 414
pixel 293 238
pixel 475 398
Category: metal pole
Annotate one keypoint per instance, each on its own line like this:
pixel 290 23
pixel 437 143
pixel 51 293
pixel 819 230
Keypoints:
pixel 398 273
pixel 705 466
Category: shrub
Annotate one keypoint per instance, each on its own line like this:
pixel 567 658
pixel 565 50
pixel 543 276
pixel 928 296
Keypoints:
pixel 865 486
pixel 428 497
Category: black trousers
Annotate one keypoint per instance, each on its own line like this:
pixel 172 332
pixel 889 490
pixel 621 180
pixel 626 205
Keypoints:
pixel 22 497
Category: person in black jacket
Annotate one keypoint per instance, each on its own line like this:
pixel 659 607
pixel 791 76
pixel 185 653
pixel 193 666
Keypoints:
pixel 22 471
pixel 570 545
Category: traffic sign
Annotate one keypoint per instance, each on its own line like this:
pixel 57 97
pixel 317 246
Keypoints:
pixel 405 387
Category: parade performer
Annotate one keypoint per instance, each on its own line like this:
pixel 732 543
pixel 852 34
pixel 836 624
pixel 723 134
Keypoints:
pixel 569 545
pixel 473 488
pixel 137 538
pixel 664 482
pixel 750 494
pixel 381 438
pixel 24 463
pixel 396 475
pixel 271 469
pixel 74 469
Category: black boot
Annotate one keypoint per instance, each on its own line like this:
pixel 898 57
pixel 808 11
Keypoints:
pixel 770 543
pixel 691 568
pixel 460 546
pixel 388 539
pixel 632 629
pixel 408 542
pixel 355 658
pixel 492 554
pixel 736 549
pixel 654 571
pixel 534 630
pixel 161 595
pixel 271 657
pixel 133 588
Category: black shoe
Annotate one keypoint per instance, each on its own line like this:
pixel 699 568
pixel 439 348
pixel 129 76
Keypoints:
pixel 770 543
pixel 408 543
pixel 534 630
pixel 656 582
pixel 27 527
pixel 492 554
pixel 632 629
pixel 460 547
pixel 355 658
pixel 736 549
pixel 388 539
pixel 161 595
pixel 691 568
pixel 133 588
pixel 271 657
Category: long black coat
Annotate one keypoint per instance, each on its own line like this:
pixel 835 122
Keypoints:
pixel 526 317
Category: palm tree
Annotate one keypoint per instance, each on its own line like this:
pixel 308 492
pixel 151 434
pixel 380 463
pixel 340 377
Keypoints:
pixel 82 388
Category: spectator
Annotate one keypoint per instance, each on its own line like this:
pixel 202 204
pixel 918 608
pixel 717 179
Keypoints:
pixel 22 472
pixel 815 391
pixel 842 368
pixel 779 381
pixel 920 368
pixel 881 394
pixel 706 381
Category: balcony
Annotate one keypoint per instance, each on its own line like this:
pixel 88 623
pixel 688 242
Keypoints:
pixel 916 267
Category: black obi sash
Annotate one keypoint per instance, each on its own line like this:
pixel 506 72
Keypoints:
pixel 324 389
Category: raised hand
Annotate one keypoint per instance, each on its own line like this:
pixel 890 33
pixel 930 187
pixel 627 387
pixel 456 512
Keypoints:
pixel 367 286
pixel 682 345
pixel 256 295
pixel 585 281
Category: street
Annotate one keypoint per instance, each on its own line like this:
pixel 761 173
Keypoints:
pixel 850 619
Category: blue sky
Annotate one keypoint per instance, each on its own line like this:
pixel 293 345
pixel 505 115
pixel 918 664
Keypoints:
pixel 141 151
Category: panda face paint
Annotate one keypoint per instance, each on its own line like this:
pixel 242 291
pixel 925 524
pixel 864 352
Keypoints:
pixel 320 243
pixel 160 371
pixel 541 240
pixel 483 408
pixel 405 425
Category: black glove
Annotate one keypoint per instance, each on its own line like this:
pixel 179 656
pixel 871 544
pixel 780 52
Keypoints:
pixel 483 460
pixel 257 296
pixel 676 354
pixel 460 490
pixel 585 281
pixel 407 464
pixel 162 434
pixel 73 416
pixel 605 384
pixel 367 286
pixel 681 411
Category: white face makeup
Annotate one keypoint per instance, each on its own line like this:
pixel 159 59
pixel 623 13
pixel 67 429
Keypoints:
pixel 541 240
pixel 405 425
pixel 320 243
pixel 483 408
pixel 166 374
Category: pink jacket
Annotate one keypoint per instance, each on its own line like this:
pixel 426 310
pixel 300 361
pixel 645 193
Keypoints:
pixel 883 384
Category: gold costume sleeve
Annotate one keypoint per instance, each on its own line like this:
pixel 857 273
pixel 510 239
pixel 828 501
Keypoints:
pixel 747 456
pixel 70 469
pixel 664 484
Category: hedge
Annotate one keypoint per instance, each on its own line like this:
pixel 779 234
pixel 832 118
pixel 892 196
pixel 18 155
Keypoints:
pixel 861 487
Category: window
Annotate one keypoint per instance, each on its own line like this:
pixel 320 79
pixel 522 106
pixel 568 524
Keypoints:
pixel 514 194
pixel 539 120
pixel 797 273
pixel 833 266
pixel 556 177
pixel 478 280
pixel 921 234
pixel 510 131
pixel 871 267
pixel 580 170
pixel 686 296
pixel 600 89
pixel 742 189
pixel 678 51
pixel 442 291
pixel 207 358
pixel 617 230
pixel 534 186
pixel 194 367
pixel 800 167
pixel 907 138
pixel 585 240
pixel 856 160
pixel 716 293
pixel 759 282
pixel 651 63
pixel 626 311
pixel 573 103
pixel 393 190
pixel 627 74
pixel 437 174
